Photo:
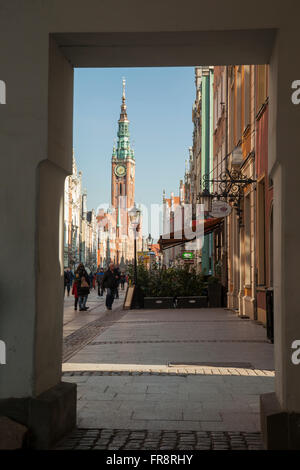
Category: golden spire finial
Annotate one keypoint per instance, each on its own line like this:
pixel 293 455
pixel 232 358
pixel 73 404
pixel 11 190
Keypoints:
pixel 124 83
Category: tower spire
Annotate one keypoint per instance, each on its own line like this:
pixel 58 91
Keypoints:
pixel 123 115
pixel 123 150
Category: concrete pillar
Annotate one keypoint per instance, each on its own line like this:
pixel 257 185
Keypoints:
pixel 249 265
pixel 231 296
pixel 241 263
pixel 36 143
pixel 229 260
pixel 236 260
pixel 280 412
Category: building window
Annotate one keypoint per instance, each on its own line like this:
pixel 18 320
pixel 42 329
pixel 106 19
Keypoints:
pixel 238 129
pixel 262 86
pixel 231 115
pixel 246 96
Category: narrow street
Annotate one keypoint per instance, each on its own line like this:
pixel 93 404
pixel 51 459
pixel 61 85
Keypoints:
pixel 152 378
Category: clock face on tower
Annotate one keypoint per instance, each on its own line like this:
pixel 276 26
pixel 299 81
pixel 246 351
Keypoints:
pixel 120 171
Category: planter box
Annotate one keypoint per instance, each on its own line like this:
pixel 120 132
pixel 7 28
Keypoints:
pixel 158 302
pixel 192 302
pixel 215 295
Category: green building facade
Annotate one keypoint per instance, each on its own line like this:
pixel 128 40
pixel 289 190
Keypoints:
pixel 207 79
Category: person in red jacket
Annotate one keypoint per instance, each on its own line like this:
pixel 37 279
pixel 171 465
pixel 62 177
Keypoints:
pixel 75 293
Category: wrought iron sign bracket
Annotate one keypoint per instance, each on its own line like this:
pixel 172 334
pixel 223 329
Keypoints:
pixel 230 187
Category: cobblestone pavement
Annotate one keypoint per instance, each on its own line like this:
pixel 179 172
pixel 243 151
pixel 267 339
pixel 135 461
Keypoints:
pixel 179 371
pixel 119 439
pixel 80 328
pixel 84 335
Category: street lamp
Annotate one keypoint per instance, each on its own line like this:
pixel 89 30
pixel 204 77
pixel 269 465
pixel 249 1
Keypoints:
pixel 149 241
pixel 149 245
pixel 134 217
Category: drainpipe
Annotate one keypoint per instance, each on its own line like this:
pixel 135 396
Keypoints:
pixel 255 201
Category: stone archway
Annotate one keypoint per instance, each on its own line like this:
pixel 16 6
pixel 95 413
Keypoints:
pixel 36 141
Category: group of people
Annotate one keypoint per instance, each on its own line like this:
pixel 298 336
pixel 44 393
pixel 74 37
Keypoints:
pixel 82 282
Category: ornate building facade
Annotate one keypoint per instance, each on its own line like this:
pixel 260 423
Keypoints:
pixel 80 225
pixel 72 216
pixel 201 156
pixel 230 116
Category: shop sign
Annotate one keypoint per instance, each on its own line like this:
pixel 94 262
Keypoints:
pixel 220 209
pixel 188 255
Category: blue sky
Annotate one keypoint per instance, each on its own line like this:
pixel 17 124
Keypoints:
pixel 159 106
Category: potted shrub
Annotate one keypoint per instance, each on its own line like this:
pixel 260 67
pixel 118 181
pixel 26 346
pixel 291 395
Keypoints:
pixel 191 289
pixel 160 290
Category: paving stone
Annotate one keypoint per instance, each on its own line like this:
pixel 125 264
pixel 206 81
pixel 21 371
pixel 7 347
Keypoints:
pixel 156 440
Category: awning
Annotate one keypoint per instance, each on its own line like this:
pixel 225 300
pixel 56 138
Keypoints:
pixel 209 226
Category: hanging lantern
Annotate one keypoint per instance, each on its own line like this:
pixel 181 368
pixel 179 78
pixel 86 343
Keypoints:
pixel 205 198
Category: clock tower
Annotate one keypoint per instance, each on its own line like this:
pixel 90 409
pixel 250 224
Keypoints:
pixel 122 182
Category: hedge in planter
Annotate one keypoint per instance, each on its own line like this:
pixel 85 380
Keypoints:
pixel 171 282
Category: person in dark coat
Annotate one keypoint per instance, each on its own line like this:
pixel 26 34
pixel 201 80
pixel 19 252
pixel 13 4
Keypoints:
pixel 110 284
pixel 118 277
pixel 123 280
pixel 99 279
pixel 65 280
pixel 91 278
pixel 83 286
pixel 68 280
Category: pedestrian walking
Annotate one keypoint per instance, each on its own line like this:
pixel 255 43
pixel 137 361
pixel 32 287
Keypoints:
pixel 99 279
pixel 118 278
pixel 83 292
pixel 110 283
pixel 122 280
pixel 83 286
pixel 68 280
pixel 91 277
pixel 65 281
pixel 75 293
